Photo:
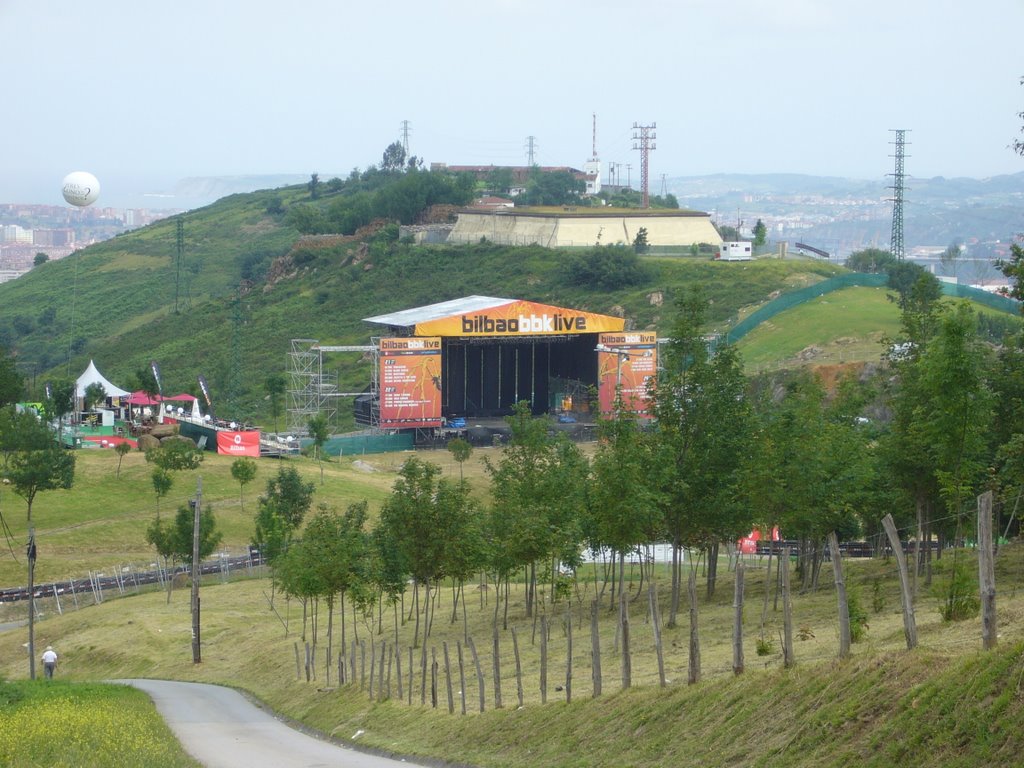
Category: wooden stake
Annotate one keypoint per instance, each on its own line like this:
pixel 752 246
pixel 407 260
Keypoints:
pixel 497 668
pixel 543 660
pixel 906 597
pixel 448 678
pixel 595 648
pixel 843 605
pixel 694 667
pixel 787 611
pixel 519 666
pixel 652 599
pixel 986 572
pixel 737 625
pixel 479 672
pixel 627 662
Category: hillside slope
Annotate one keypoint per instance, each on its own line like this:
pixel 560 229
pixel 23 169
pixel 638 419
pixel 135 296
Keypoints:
pixel 248 284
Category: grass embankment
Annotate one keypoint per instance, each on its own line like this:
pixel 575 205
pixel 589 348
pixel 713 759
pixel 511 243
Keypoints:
pixel 943 704
pixel 81 725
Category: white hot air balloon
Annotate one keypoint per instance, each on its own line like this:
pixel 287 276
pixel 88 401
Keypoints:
pixel 81 188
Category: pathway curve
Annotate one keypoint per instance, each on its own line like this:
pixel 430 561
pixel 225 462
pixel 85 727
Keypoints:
pixel 220 728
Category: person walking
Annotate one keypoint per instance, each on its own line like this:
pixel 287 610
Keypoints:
pixel 49 661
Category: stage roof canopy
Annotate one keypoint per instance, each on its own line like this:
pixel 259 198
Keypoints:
pixel 408 318
pixel 491 316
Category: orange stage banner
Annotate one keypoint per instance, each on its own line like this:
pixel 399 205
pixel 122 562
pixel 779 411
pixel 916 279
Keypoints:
pixel 410 382
pixel 520 318
pixel 629 360
pixel 238 443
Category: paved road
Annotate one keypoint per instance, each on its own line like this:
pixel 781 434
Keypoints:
pixel 222 729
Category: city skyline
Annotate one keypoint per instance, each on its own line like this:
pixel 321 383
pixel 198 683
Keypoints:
pixel 143 96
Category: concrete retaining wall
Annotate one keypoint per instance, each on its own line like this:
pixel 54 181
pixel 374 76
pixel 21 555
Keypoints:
pixel 574 231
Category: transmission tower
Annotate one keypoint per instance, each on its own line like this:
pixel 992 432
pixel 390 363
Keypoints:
pixel 405 137
pixel 896 241
pixel 181 249
pixel 643 139
pixel 531 150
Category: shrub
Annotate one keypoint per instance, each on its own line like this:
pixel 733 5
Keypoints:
pixel 958 594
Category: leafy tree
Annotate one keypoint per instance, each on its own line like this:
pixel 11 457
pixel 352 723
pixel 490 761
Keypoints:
pixel 145 381
pixel 728 233
pixel 275 386
pixel 244 471
pixel 606 268
pixel 162 482
pixel 760 233
pixel 176 456
pixel 412 517
pixel 500 180
pixel 553 188
pixel 704 427
pixel 60 400
pixel 951 258
pixel 539 494
pixel 318 432
pixel 35 463
pixel 1013 268
pixel 122 449
pixel 914 286
pixel 280 512
pixel 393 160
pixel 314 186
pixel 95 394
pixel 623 512
pixel 39 259
pixel 460 450
pixel 173 539
pixel 640 243
pixel 870 260
pixel 12 384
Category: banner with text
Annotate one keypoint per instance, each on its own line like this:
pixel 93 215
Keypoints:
pixel 410 382
pixel 628 360
pixel 238 443
pixel 520 318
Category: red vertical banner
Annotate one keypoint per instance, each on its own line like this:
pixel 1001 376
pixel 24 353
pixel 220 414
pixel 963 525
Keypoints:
pixel 410 382
pixel 630 361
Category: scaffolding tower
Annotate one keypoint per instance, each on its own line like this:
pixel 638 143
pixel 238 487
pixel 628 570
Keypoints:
pixel 313 391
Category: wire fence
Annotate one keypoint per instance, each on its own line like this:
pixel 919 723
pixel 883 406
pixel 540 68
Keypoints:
pixel 74 593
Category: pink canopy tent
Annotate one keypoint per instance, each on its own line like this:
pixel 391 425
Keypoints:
pixel 141 398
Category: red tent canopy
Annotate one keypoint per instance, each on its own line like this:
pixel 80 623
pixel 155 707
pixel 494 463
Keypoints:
pixel 141 398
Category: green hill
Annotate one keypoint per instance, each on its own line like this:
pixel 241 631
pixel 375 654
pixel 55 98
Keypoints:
pixel 249 282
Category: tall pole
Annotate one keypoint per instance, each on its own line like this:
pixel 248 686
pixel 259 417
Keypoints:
pixel 196 572
pixel 31 599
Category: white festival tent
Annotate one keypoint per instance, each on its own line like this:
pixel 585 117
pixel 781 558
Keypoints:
pixel 93 376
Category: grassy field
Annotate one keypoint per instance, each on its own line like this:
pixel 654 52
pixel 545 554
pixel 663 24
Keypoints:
pixel 840 327
pixel 83 725
pixel 942 704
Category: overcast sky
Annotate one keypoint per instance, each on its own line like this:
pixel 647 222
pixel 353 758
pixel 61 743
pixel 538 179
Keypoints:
pixel 143 93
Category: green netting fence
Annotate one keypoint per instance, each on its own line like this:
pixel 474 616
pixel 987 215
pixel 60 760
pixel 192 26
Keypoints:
pixel 862 280
pixel 356 445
